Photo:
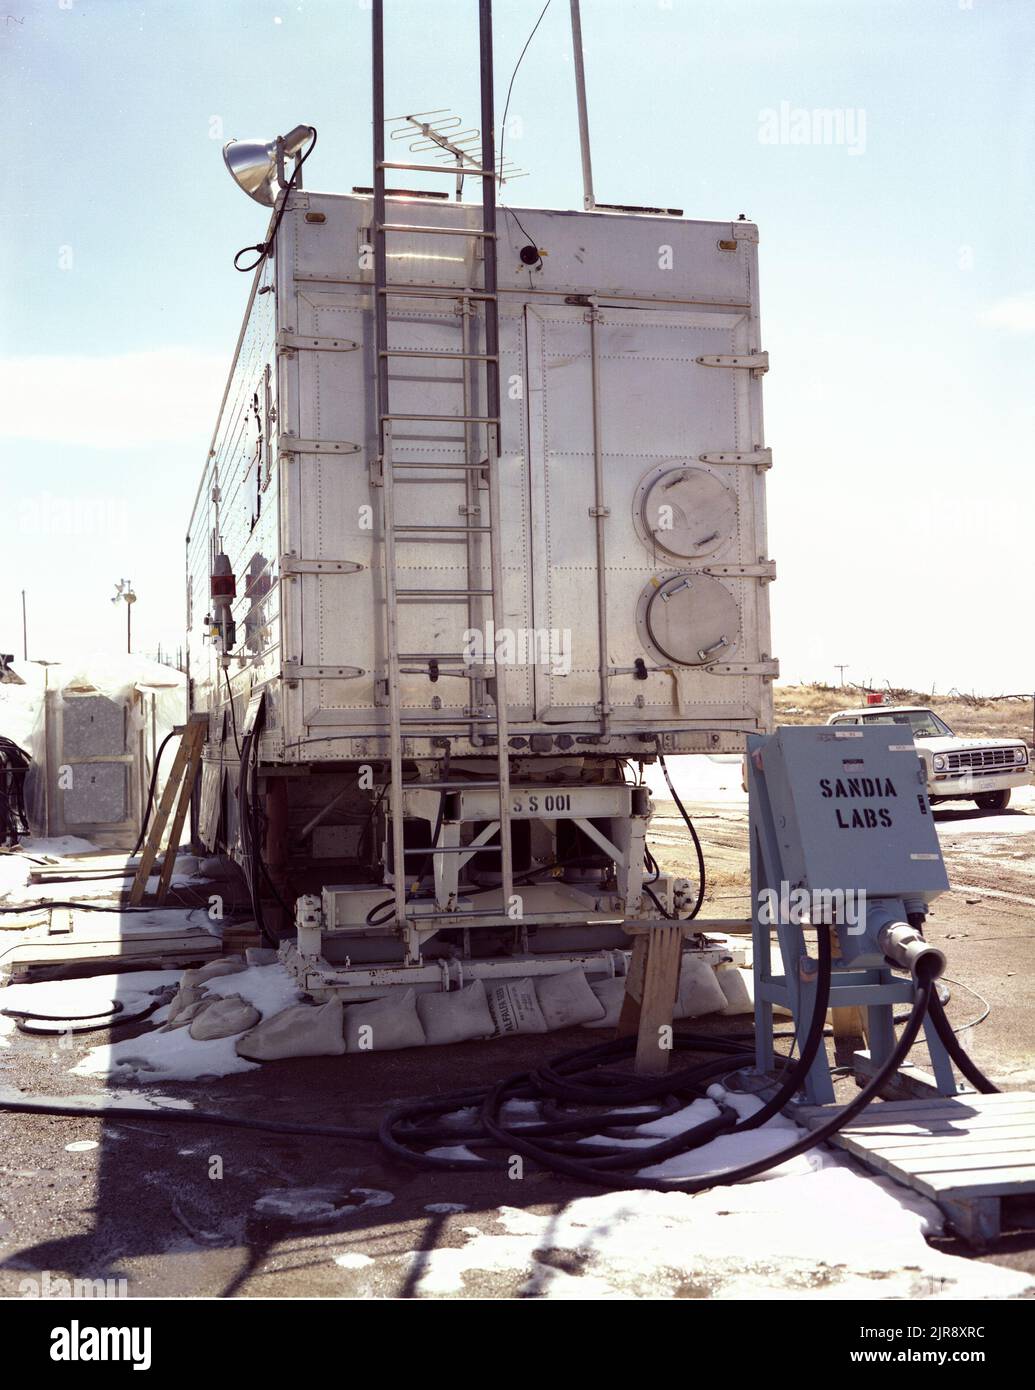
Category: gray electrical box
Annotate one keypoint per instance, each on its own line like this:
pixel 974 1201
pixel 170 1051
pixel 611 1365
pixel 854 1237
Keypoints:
pixel 850 810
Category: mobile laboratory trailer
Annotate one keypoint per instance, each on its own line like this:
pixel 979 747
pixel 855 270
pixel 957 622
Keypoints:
pixel 482 527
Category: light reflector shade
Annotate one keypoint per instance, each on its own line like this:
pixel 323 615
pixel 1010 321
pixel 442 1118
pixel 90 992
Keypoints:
pixel 253 165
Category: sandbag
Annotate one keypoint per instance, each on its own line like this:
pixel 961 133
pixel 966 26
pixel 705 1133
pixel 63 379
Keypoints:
pixel 514 1007
pixel 700 991
pixel 185 1002
pixel 611 994
pixel 225 965
pixel 567 999
pixel 738 989
pixel 222 1017
pixel 455 1015
pixel 301 1030
pixel 384 1025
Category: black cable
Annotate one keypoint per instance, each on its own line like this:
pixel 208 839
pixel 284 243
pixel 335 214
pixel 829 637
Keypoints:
pixel 693 834
pixel 954 1048
pixel 513 75
pixel 233 712
pixel 109 1019
pixel 264 247
pixel 577 1079
pixel 67 1105
pixel 151 794
pixel 503 135
pixel 42 904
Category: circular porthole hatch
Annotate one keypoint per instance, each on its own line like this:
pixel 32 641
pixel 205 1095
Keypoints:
pixel 688 620
pixel 686 512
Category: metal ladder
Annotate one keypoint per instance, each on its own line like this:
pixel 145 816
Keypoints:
pixel 481 458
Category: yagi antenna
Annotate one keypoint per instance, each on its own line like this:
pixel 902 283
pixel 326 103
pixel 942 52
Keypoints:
pixel 443 134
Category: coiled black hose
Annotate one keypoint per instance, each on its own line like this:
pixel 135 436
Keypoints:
pixel 578 1079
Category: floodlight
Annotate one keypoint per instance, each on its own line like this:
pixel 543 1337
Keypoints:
pixel 257 166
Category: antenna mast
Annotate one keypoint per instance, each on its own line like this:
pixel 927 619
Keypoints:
pixel 588 200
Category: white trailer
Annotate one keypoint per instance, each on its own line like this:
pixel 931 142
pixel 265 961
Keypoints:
pixel 633 567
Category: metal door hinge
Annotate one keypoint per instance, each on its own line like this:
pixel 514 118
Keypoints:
pixel 760 458
pixel 288 343
pixel 764 570
pixel 755 362
pixel 746 668
pixel 291 564
pixel 294 672
pixel 291 444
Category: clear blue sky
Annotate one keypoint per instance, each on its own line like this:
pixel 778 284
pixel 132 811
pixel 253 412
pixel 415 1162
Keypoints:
pixel 897 277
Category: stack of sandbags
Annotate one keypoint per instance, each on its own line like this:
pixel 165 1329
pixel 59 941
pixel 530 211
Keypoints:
pixel 205 1015
pixel 699 993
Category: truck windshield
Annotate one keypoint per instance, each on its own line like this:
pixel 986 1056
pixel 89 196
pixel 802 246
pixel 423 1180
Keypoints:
pixel 923 722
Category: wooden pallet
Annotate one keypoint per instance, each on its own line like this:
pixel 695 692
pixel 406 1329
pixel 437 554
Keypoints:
pixel 964 1152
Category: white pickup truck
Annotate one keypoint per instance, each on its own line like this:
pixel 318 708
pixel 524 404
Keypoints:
pixel 983 770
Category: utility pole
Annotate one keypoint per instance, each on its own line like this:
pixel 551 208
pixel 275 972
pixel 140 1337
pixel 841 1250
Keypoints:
pixel 25 631
pixel 842 669
pixel 124 590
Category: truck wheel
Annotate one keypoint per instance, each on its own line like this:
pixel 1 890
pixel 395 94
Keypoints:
pixel 993 801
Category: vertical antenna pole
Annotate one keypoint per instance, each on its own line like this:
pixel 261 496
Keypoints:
pixel 378 218
pixel 588 200
pixel 488 115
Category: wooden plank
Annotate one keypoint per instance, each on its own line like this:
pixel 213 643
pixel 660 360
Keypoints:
pixel 975 1125
pixel 153 842
pixel 967 1183
pixel 1002 1142
pixel 1015 1166
pixel 911 1107
pixel 951 1176
pixel 977 1222
pixel 629 1018
pixel 989 1137
pixel 922 1111
pixel 195 740
pixel 660 984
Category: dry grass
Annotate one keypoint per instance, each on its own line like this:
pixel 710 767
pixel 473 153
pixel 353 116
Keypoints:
pixel 969 715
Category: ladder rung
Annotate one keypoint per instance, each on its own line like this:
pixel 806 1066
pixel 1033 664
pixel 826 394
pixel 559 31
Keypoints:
pixel 451 169
pixel 443 593
pixel 449 419
pixel 435 231
pixel 449 530
pixel 440 356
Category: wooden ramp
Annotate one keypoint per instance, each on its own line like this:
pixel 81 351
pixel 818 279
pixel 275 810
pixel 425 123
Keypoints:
pixel 965 1152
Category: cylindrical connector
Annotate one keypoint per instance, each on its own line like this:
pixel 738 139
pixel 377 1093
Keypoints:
pixel 906 947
